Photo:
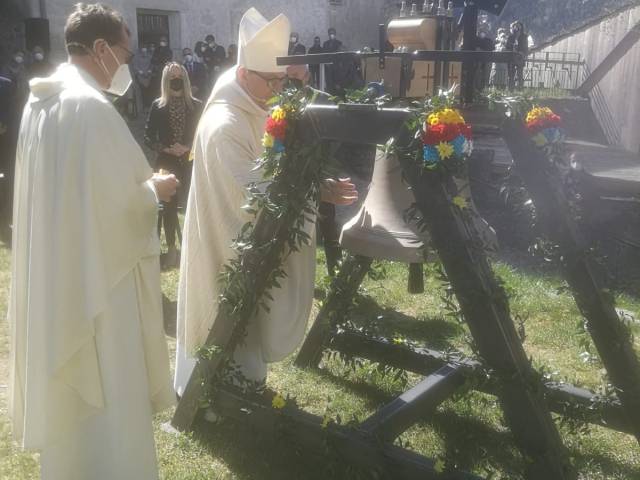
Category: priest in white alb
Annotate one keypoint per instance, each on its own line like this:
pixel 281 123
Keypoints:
pixel 226 148
pixel 89 359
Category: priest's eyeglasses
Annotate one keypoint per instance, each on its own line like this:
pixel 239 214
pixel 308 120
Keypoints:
pixel 274 83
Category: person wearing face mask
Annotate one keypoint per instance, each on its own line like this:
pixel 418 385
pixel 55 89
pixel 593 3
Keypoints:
pixel 89 360
pixel 227 144
pixel 295 47
pixel 214 57
pixel 40 65
pixel 498 76
pixel 169 131
pixel 197 74
pixel 332 72
pixel 141 66
pixel 160 57
pixel 315 69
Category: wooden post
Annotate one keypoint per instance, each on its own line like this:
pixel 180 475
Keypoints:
pixel 340 297
pixel 585 277
pixel 486 310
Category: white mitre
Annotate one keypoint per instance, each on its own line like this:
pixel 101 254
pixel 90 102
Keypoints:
pixel 261 41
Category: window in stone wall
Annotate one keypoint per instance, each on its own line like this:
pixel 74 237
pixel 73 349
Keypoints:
pixel 152 26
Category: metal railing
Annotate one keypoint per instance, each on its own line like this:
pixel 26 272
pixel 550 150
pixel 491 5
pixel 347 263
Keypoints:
pixel 554 71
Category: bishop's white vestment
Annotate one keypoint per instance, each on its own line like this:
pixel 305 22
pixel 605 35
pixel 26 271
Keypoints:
pixel 89 360
pixel 226 146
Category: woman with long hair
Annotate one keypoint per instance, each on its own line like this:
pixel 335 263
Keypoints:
pixel 170 129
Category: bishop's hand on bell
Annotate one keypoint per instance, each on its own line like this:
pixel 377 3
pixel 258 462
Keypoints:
pixel 338 192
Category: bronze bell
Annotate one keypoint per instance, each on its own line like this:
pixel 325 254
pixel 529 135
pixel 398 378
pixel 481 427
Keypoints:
pixel 379 230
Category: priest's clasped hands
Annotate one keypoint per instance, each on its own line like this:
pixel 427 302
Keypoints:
pixel 165 185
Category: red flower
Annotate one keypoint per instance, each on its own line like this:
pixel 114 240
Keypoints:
pixel 276 128
pixel 466 131
pixel 441 133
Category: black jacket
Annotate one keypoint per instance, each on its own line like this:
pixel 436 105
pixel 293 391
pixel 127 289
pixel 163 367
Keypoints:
pixel 297 49
pixel 198 78
pixel 157 132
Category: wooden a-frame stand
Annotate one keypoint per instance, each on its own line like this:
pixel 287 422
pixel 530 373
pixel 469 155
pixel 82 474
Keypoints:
pixel 486 310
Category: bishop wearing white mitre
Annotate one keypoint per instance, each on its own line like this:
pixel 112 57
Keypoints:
pixel 89 360
pixel 226 147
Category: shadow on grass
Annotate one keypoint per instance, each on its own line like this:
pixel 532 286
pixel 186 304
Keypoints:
pixel 434 332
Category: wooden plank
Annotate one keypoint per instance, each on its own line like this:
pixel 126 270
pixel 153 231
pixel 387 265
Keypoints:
pixel 486 311
pixel 610 61
pixel 561 397
pixel 343 288
pixel 415 404
pixel 584 276
pixel 355 446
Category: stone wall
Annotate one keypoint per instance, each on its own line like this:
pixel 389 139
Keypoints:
pixel 616 100
pixel 191 20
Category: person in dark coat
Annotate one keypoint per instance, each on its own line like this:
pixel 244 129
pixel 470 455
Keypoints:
pixel 160 57
pixel 169 131
pixel 40 65
pixel 518 41
pixel 214 58
pixel 197 74
pixel 295 47
pixel 315 69
pixel 333 71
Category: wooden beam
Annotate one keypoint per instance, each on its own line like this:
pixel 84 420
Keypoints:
pixel 307 431
pixel 415 404
pixel 486 311
pixel 561 398
pixel 339 298
pixel 582 272
pixel 610 61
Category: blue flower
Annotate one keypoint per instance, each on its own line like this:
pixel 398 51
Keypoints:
pixel 430 155
pixel 459 145
pixel 278 146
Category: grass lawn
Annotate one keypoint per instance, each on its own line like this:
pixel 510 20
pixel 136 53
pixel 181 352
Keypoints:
pixel 466 431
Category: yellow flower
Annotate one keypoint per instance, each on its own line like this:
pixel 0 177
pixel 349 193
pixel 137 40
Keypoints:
pixel 460 202
pixel 445 150
pixel 278 401
pixel 267 141
pixel 540 140
pixel 450 116
pixel 538 112
pixel 325 421
pixel 433 119
pixel 278 113
pixel 399 341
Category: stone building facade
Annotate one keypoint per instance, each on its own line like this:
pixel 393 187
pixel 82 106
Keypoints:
pixel 187 21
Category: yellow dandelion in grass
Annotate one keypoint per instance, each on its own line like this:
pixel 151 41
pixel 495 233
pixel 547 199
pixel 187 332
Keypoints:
pixel 326 419
pixel 267 141
pixel 460 202
pixel 278 401
pixel 278 113
pixel 399 341
pixel 445 150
